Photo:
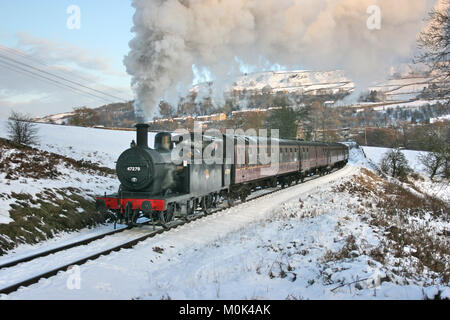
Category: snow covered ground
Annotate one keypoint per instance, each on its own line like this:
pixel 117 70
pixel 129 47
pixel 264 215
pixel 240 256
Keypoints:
pixel 323 239
pixel 439 119
pixel 307 242
pixel 185 260
pixel 48 174
pixel 42 194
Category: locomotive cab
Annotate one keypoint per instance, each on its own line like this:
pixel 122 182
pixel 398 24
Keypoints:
pixel 163 142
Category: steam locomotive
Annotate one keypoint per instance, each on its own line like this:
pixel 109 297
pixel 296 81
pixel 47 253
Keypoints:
pixel 155 186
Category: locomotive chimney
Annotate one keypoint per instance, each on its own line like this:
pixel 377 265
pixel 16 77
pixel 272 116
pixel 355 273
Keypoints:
pixel 142 135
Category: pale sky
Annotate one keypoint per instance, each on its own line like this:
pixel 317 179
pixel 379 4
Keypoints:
pixel 37 32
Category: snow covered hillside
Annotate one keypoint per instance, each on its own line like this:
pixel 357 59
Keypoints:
pixel 437 188
pixel 43 194
pixel 407 88
pixel 306 82
pixel 60 118
pixel 376 154
pixel 96 145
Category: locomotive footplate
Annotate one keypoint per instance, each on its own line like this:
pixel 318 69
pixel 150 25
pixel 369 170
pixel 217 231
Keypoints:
pixel 116 203
pixel 135 201
pixel 130 207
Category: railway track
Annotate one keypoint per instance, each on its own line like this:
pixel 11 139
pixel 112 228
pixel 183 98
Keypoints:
pixel 16 262
pixel 127 245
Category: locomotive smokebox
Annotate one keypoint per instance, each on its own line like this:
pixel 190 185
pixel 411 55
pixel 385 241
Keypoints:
pixel 142 135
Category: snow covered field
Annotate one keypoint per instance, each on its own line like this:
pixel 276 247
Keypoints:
pixel 96 145
pixel 409 105
pixel 376 154
pixel 439 189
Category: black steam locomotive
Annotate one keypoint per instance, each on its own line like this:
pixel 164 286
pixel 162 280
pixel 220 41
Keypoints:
pixel 154 186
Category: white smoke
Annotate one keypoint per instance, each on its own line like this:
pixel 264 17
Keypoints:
pixel 221 35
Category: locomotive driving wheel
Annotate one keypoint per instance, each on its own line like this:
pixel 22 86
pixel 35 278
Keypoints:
pixel 190 208
pixel 167 216
pixel 131 216
pixel 134 217
pixel 230 200
pixel 207 202
pixel 273 183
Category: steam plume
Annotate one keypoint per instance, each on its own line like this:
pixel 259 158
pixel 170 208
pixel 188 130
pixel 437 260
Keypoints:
pixel 222 35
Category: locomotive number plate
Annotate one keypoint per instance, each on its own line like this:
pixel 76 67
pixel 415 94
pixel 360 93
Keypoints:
pixel 134 169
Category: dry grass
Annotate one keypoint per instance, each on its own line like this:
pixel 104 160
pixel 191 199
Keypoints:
pixel 42 216
pixel 345 253
pixel 48 217
pixel 27 162
pixel 409 239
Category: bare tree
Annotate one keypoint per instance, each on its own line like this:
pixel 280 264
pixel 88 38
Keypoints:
pixel 437 141
pixel 395 164
pixel 84 117
pixel 21 129
pixel 285 120
pixel 446 170
pixel 435 43
pixel 433 162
